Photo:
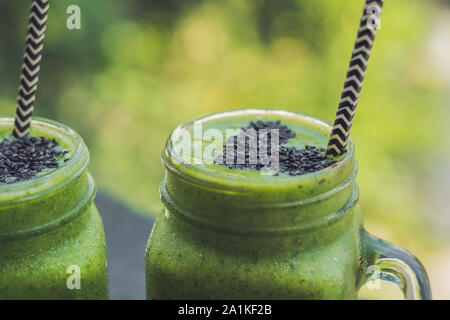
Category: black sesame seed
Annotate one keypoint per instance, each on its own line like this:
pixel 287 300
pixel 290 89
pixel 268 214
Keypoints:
pixel 21 159
pixel 292 161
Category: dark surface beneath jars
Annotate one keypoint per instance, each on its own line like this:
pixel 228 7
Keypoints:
pixel 126 235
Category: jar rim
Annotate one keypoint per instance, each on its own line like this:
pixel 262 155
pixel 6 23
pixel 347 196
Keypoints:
pixel 226 182
pixel 37 186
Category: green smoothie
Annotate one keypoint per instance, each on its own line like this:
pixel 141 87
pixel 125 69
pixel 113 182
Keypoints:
pixel 52 243
pixel 242 234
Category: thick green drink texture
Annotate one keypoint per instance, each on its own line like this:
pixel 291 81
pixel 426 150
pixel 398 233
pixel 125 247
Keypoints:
pixel 52 243
pixel 240 234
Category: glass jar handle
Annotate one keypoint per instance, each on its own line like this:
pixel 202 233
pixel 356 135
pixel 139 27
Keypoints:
pixel 388 262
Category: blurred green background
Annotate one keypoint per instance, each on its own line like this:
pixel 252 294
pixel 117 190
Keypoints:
pixel 138 68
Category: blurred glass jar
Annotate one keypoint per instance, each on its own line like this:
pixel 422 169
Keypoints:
pixel 52 243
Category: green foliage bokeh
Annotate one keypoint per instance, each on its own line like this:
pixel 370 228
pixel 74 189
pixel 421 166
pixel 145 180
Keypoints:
pixel 137 69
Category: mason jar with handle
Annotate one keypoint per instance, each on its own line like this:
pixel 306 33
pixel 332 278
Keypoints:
pixel 242 234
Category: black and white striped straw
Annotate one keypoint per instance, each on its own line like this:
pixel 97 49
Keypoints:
pixel 30 69
pixel 337 144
